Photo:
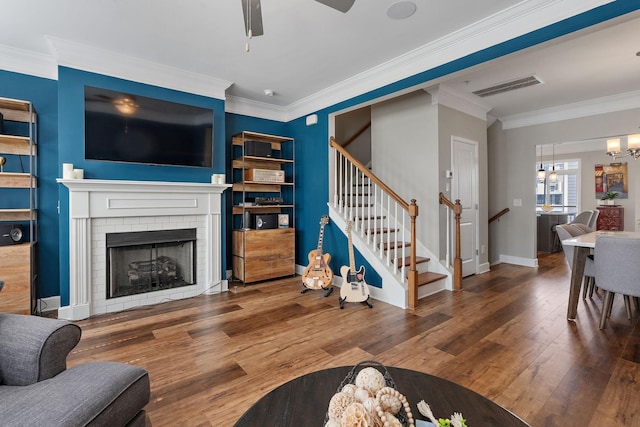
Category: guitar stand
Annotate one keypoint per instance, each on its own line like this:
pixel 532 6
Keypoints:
pixel 342 300
pixel 327 291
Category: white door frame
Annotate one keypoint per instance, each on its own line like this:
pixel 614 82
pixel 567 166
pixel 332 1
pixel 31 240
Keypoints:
pixel 475 189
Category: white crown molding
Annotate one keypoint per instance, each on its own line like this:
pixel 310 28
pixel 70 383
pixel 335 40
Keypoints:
pixel 28 62
pixel 92 59
pixel 510 23
pixel 253 108
pixel 445 95
pixel 592 107
pixel 524 17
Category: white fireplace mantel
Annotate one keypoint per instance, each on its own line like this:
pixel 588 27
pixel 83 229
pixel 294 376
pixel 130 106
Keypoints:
pixel 158 202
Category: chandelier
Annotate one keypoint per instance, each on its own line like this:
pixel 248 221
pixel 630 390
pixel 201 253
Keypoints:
pixel 633 147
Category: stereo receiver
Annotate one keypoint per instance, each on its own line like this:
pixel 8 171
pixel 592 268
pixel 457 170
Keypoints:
pixel 264 175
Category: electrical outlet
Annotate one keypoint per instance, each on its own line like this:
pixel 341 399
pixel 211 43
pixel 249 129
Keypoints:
pixel 517 202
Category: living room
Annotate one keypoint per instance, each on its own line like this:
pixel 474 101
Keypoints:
pixel 59 103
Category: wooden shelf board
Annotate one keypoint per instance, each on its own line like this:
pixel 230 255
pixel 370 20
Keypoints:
pixel 260 209
pixel 248 162
pixel 17 214
pixel 253 187
pixel 11 144
pixel 16 180
pixel 255 136
pixel 16 110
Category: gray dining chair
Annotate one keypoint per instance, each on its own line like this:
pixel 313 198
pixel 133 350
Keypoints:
pixel 583 217
pixel 567 231
pixel 593 224
pixel 617 270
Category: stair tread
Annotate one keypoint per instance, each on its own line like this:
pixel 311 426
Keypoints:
pixel 407 260
pixel 383 230
pixel 393 245
pixel 429 277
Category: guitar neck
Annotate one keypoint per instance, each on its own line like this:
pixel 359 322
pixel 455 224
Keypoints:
pixel 320 236
pixel 352 261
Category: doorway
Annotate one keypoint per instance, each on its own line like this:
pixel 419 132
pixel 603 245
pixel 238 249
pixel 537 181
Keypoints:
pixel 464 186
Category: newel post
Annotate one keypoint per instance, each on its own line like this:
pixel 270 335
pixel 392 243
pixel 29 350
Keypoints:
pixel 457 262
pixel 412 276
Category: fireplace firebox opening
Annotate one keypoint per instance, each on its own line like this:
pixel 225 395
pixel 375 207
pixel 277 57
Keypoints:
pixel 148 261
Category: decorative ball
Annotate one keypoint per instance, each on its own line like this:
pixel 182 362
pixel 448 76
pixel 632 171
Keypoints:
pixel 361 394
pixel 371 380
pixel 370 404
pixel 349 388
pixel 338 404
pixel 390 403
pixel 355 415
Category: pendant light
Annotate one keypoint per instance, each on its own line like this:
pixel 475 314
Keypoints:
pixel 542 174
pixel 553 176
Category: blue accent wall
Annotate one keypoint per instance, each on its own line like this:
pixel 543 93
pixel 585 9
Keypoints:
pixel 71 83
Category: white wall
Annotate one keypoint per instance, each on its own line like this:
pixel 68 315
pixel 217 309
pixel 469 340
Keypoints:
pixel 452 122
pixel 411 149
pixel 512 175
pixel 404 153
pixel 347 125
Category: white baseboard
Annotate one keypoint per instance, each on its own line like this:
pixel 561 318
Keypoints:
pixel 483 268
pixel 525 262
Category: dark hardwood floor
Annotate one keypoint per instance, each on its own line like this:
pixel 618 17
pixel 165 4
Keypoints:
pixel 505 335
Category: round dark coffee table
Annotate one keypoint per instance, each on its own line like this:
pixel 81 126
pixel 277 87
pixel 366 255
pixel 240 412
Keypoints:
pixel 303 401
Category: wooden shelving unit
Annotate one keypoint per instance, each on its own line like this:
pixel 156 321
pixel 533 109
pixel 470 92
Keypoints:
pixel 19 211
pixel 261 254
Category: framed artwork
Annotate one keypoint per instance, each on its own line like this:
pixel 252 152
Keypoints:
pixel 612 177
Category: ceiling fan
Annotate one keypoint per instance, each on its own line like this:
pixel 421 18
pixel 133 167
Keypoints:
pixel 252 12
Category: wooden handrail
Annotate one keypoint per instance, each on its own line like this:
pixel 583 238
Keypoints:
pixel 357 134
pixel 498 215
pixel 457 261
pixel 369 174
pixel 412 210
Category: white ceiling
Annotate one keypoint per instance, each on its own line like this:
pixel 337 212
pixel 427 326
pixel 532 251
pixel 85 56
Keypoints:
pixel 308 49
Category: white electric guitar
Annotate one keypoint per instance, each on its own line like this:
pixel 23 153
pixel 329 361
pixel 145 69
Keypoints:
pixel 354 288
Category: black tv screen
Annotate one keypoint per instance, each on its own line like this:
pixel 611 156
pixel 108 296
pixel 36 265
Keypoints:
pixel 122 127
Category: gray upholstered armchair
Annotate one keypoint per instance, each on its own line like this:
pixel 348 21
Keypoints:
pixel 36 389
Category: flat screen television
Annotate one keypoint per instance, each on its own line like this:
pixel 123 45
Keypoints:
pixel 121 127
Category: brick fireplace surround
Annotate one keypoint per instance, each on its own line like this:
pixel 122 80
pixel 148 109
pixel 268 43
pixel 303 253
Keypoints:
pixel 98 207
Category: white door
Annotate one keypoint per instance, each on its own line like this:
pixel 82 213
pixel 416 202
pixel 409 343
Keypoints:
pixel 464 159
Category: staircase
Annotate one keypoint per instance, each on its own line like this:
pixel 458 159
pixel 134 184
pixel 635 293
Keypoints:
pixel 384 232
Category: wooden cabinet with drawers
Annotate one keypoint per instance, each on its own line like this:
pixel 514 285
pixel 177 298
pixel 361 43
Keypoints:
pixel 263 254
pixel 611 218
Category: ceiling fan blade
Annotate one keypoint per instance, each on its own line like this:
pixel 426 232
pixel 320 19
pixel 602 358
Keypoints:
pixel 341 5
pixel 252 12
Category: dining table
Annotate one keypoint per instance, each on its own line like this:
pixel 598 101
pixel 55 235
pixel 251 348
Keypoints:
pixel 303 401
pixel 583 244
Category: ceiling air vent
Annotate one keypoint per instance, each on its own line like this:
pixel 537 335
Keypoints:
pixel 508 86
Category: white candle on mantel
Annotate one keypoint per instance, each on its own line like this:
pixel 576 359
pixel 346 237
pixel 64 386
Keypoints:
pixel 78 173
pixel 613 145
pixel 67 171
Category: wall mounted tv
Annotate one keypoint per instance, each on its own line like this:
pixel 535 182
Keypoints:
pixel 121 127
